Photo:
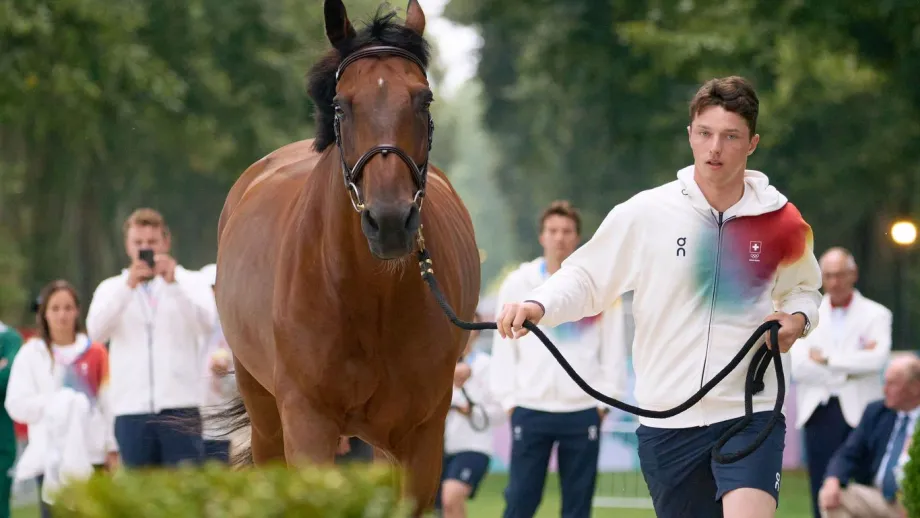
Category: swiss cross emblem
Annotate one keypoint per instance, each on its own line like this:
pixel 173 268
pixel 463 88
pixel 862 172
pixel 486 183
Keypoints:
pixel 755 248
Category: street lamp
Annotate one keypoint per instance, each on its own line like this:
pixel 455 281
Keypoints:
pixel 904 234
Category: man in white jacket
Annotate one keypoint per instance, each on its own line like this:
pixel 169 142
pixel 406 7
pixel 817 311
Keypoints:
pixel 838 368
pixel 153 315
pixel 709 257
pixel 546 407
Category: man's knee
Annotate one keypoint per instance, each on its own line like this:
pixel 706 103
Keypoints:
pixel 454 495
pixel 748 502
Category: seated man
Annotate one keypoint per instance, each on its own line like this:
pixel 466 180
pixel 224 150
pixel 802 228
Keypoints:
pixel 860 479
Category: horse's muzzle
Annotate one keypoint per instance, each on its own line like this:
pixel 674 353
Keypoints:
pixel 390 229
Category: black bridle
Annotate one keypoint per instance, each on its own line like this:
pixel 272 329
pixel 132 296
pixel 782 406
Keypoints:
pixel 353 174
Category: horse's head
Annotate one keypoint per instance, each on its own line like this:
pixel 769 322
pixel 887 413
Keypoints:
pixel 382 123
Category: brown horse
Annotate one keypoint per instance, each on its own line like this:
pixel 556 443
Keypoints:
pixel 333 331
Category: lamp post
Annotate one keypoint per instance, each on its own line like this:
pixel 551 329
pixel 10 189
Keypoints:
pixel 904 234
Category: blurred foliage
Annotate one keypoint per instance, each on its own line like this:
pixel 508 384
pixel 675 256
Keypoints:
pixel 910 486
pixel 463 149
pixel 106 107
pixel 588 99
pixel 357 491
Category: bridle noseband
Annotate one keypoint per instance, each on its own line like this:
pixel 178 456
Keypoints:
pixel 353 174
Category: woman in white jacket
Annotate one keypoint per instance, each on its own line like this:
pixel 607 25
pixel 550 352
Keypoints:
pixel 468 434
pixel 58 387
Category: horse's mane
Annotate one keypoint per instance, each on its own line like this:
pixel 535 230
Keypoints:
pixel 381 30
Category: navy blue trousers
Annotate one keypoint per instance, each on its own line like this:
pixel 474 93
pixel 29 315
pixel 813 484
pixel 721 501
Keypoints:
pixel 169 438
pixel 825 431
pixel 576 435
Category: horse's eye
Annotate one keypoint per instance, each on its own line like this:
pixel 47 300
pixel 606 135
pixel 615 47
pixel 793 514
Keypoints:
pixel 338 109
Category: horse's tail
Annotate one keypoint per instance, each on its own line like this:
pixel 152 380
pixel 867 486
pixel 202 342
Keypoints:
pixel 230 419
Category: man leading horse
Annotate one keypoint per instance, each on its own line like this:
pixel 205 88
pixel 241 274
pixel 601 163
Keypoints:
pixel 710 257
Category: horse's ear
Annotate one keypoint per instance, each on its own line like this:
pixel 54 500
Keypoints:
pixel 415 17
pixel 338 28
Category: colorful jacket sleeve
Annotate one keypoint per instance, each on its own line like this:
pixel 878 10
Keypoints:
pixel 798 278
pixel 103 395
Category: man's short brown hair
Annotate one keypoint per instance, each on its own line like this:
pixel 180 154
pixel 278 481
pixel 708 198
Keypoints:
pixel 145 217
pixel 733 93
pixel 562 208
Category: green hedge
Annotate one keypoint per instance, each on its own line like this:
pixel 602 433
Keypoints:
pixel 212 491
pixel 910 486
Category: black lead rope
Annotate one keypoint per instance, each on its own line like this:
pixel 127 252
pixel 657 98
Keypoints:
pixel 753 382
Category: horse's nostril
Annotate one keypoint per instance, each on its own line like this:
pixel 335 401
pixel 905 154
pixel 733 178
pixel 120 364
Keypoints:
pixel 369 219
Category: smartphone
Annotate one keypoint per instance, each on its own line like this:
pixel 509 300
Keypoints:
pixel 146 255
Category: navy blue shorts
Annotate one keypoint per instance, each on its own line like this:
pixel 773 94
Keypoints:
pixel 684 480
pixel 469 467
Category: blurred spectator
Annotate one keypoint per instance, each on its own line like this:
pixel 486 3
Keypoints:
pixel 10 341
pixel 220 382
pixel 153 315
pixel 469 431
pixel 58 385
pixel 861 477
pixel 546 407
pixel 838 366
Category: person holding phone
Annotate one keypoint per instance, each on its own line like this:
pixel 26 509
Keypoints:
pixel 153 315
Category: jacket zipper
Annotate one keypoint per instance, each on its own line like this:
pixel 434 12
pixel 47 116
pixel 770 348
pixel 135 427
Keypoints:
pixel 715 289
pixel 150 364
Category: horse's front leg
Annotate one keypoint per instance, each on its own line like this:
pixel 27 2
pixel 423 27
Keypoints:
pixel 309 436
pixel 421 454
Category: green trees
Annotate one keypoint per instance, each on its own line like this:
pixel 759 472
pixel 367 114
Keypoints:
pixel 106 107
pixel 588 100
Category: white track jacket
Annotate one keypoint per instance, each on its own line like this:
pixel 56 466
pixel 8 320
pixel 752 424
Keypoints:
pixel 154 333
pixel 524 373
pixel 703 281
pixel 475 432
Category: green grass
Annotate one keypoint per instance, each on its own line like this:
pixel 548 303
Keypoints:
pixel 794 497
pixel 489 502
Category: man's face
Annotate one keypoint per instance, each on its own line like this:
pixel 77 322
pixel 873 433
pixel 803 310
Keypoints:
pixel 559 237
pixel 838 278
pixel 141 237
pixel 901 392
pixel 721 143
